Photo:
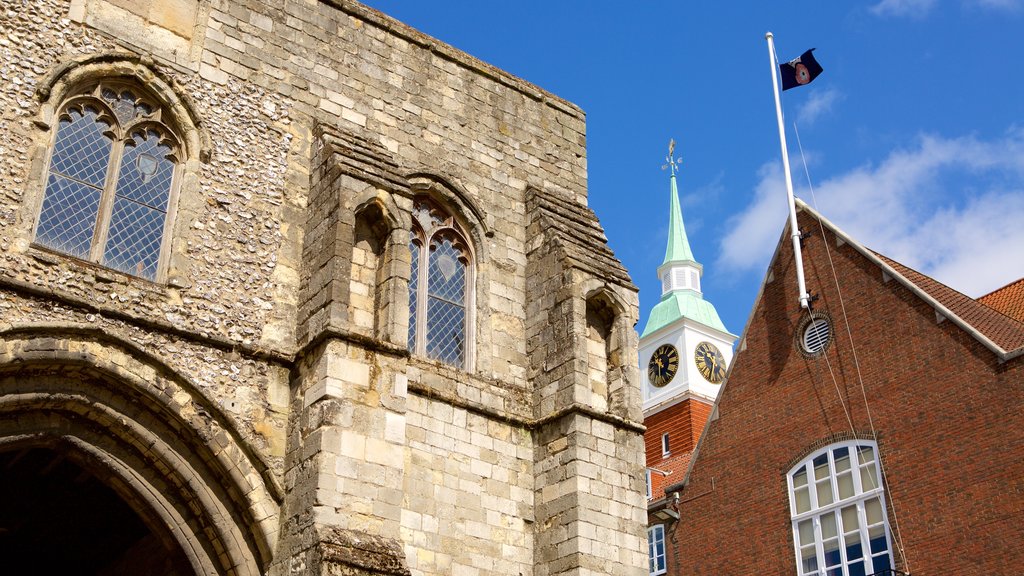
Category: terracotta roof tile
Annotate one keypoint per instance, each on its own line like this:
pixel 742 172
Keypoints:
pixel 676 465
pixel 1008 300
pixel 1005 331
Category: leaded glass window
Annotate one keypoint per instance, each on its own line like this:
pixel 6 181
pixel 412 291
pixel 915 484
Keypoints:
pixel 837 503
pixel 112 171
pixel 439 286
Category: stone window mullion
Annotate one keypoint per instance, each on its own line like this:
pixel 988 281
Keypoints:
pixel 102 229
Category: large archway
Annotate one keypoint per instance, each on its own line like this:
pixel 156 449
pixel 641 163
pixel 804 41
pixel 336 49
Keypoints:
pixel 163 476
pixel 58 516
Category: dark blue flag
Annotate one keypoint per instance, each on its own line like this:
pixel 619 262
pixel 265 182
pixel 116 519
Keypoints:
pixel 799 71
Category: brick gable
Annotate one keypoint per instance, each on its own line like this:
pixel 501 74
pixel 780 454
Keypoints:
pixel 943 407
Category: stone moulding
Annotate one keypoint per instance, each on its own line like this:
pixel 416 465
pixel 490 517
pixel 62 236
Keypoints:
pixel 126 419
pixel 576 229
pixel 54 87
pixel 55 340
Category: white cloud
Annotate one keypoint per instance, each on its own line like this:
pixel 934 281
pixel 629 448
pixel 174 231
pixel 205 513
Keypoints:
pixel 819 103
pixel 914 207
pixel 913 8
pixel 1009 5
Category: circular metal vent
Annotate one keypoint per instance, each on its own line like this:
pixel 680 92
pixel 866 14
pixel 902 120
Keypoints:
pixel 815 334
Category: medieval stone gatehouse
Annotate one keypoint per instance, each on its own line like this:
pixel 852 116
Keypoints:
pixel 290 288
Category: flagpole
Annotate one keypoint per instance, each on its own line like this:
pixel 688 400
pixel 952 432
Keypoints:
pixel 795 231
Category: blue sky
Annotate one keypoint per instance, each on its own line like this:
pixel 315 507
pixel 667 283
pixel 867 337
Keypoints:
pixel 913 135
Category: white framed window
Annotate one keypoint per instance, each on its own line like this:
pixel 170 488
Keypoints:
pixel 440 286
pixel 112 171
pixel 650 493
pixel 665 451
pixel 656 549
pixel 837 504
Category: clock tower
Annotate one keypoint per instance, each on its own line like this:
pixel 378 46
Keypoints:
pixel 685 351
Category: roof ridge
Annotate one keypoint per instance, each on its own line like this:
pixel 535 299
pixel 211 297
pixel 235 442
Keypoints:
pixel 1005 337
pixel 1013 320
pixel 1001 288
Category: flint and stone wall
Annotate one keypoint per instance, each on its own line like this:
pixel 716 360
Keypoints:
pixel 273 351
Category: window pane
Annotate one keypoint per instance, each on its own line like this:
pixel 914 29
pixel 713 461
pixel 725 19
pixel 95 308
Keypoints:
pixel 868 477
pixel 821 467
pixel 414 249
pixel 806 529
pixel 445 325
pixel 832 557
pixel 881 563
pixel 809 559
pixel 68 216
pixel 133 245
pixel 146 171
pixel 877 536
pixel 446 312
pixel 845 484
pixel 850 520
pixel 125 104
pixel 803 500
pixel 824 490
pixel 828 526
pixel 842 459
pixel 140 205
pixel 837 535
pixel 81 151
pixel 656 549
pixel 873 508
pixel 854 550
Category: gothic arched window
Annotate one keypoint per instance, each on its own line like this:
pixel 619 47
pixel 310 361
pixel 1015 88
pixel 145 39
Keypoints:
pixel 837 502
pixel 112 170
pixel 439 287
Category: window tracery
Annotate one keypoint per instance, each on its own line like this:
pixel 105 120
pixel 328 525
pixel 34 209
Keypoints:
pixel 112 170
pixel 439 286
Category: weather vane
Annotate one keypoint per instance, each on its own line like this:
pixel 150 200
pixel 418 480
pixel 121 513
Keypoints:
pixel 672 161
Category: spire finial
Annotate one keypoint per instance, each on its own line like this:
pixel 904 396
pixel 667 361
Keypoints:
pixel 672 161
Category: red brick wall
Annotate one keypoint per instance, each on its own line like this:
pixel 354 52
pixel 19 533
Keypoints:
pixel 948 417
pixel 683 423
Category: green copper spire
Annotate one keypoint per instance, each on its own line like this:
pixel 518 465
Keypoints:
pixel 678 249
pixel 680 273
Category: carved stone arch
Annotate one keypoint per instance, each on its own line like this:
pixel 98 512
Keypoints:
pixel 67 78
pixel 379 206
pixel 441 189
pixel 381 235
pixel 607 339
pixel 168 452
pixel 475 226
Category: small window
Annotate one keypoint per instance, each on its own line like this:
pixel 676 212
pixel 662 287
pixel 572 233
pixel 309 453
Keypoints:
pixel 837 505
pixel 665 451
pixel 656 549
pixel 815 333
pixel 439 286
pixel 111 174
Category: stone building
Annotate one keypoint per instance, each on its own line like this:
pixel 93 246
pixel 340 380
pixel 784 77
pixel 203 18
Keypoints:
pixel 291 288
pixel 877 434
